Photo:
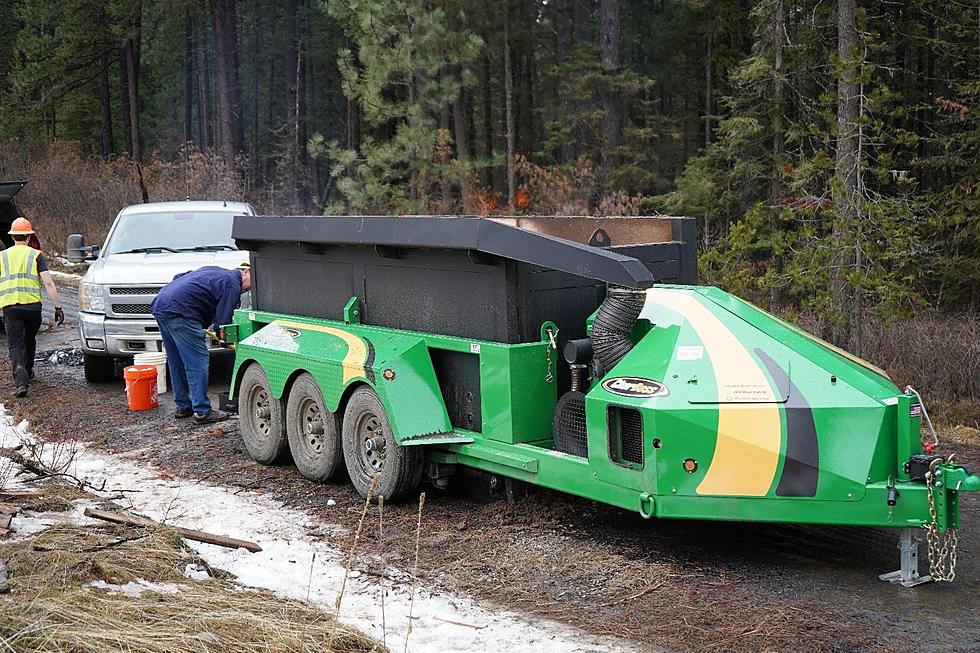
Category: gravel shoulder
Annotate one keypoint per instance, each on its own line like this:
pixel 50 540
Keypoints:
pixel 705 586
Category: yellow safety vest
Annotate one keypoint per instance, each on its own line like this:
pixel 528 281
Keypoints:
pixel 19 281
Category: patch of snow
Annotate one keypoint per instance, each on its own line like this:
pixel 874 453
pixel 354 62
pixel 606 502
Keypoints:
pixel 66 276
pixel 196 572
pixel 135 588
pixel 297 564
pixel 26 525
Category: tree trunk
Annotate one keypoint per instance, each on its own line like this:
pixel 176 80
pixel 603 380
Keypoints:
pixel 609 38
pixel 223 19
pixel 778 145
pixel 707 90
pixel 188 78
pixel 846 165
pixel 487 120
pixel 300 141
pixel 130 56
pixel 290 73
pixel 204 113
pixel 353 129
pixel 106 145
pixel 509 106
pixel 127 129
pixel 462 150
pixel 253 150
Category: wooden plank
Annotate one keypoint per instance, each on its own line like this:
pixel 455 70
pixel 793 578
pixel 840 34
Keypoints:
pixel 190 534
pixel 18 494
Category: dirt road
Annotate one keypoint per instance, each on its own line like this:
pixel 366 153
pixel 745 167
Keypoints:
pixel 706 586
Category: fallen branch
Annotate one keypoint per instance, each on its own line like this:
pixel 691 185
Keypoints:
pixel 459 623
pixel 190 534
pixel 378 574
pixel 41 472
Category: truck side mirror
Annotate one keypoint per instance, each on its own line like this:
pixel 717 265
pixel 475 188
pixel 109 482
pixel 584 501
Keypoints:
pixel 76 248
pixel 78 251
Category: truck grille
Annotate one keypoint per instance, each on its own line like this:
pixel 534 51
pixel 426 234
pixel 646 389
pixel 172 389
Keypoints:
pixel 131 309
pixel 133 290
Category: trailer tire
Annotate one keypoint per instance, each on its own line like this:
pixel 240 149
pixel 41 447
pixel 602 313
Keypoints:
pixel 313 431
pixel 370 448
pixel 261 421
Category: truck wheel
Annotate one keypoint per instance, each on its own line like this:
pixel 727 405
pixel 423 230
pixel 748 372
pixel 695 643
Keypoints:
pixel 99 369
pixel 313 431
pixel 260 416
pixel 369 449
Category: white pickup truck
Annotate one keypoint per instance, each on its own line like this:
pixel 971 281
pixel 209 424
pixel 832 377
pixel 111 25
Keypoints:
pixel 147 245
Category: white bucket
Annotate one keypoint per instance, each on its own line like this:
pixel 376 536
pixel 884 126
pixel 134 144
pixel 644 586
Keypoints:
pixel 160 360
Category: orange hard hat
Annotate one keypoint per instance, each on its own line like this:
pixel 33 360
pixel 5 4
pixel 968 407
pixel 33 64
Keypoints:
pixel 21 227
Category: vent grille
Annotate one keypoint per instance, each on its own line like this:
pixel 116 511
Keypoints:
pixel 131 309
pixel 625 436
pixel 569 425
pixel 133 290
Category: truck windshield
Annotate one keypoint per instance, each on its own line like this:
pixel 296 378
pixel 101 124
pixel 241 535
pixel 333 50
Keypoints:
pixel 178 231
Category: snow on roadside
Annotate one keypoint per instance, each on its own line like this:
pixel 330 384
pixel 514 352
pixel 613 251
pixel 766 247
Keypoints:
pixel 304 559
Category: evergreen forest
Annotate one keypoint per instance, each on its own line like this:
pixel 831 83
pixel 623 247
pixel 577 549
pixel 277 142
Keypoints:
pixel 830 150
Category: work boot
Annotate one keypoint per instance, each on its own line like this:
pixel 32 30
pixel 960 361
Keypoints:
pixel 183 413
pixel 21 377
pixel 21 391
pixel 211 417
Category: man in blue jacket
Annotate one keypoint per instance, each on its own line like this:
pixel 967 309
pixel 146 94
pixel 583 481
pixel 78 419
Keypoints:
pixel 186 306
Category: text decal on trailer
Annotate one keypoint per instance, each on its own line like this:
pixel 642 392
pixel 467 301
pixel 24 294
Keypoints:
pixel 632 386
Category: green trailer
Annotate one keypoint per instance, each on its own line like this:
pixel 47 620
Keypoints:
pixel 405 348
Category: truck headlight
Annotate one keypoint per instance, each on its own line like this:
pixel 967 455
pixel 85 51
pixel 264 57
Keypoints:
pixel 91 297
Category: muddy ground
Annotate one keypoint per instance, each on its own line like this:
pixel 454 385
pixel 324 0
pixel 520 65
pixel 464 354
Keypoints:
pixel 704 586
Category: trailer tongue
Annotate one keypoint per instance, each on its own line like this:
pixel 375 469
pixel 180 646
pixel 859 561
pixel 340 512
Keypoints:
pixel 414 346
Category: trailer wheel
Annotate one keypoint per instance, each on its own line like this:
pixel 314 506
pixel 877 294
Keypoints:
pixel 369 449
pixel 313 431
pixel 261 420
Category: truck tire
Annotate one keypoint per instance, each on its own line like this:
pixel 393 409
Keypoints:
pixel 99 369
pixel 313 431
pixel 260 418
pixel 370 448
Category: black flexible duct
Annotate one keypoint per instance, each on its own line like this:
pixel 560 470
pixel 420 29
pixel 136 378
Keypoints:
pixel 613 324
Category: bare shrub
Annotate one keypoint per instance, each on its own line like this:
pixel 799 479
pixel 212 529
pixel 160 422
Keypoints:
pixel 939 355
pixel 55 456
pixel 557 191
pixel 71 193
pixel 195 175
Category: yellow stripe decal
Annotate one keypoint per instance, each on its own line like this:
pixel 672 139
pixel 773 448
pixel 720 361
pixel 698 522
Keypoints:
pixel 749 436
pixel 357 351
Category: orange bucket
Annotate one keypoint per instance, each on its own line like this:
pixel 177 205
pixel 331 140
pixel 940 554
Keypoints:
pixel 141 386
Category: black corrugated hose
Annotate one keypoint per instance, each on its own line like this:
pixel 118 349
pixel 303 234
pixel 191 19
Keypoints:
pixel 613 324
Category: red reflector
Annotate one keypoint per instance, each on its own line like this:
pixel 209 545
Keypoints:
pixel 929 447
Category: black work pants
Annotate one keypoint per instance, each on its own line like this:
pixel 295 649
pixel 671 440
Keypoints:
pixel 22 326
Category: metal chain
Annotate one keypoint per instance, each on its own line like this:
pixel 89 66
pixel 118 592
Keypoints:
pixel 552 344
pixel 942 546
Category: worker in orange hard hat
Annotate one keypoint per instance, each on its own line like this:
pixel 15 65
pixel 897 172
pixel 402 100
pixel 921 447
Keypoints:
pixel 23 270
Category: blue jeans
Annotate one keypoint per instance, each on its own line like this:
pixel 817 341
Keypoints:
pixel 187 360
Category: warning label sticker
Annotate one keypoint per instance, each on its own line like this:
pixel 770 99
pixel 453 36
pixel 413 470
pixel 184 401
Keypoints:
pixel 690 353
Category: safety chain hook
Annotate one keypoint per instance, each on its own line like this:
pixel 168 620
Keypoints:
pixel 942 546
pixel 551 346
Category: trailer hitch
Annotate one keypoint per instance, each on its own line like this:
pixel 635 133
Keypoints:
pixel 944 480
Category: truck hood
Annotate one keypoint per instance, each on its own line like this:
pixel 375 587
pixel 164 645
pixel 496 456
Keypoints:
pixel 157 267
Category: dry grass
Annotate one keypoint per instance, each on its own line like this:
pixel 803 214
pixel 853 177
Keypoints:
pixel 45 606
pixel 939 355
pixel 72 193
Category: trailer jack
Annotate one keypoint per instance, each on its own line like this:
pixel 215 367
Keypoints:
pixel 908 573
